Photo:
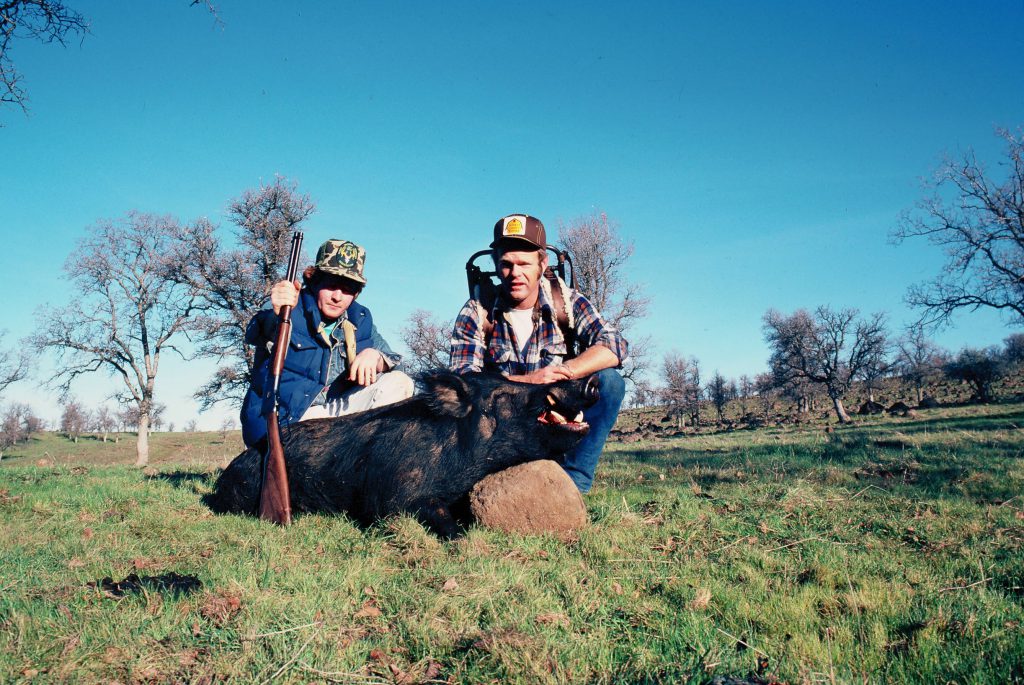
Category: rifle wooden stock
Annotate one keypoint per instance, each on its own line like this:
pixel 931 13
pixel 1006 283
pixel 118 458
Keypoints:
pixel 275 500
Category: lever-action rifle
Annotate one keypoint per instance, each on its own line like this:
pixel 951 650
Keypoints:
pixel 275 503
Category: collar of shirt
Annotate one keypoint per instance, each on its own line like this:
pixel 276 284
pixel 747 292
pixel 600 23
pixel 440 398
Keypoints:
pixel 328 331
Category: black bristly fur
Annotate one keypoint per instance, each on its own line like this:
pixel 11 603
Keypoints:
pixel 420 456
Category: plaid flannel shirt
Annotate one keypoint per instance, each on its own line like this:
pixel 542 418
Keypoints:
pixel 470 352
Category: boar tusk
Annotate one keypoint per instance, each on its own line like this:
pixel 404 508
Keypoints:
pixel 552 416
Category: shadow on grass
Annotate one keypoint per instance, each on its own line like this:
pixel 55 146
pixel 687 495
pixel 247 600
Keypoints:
pixel 181 479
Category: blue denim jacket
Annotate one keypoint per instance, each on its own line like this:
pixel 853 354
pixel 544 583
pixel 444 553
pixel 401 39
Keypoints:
pixel 312 364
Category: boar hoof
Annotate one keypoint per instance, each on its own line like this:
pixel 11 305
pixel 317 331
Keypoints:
pixel 533 498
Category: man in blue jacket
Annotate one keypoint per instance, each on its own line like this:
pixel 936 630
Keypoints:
pixel 337 362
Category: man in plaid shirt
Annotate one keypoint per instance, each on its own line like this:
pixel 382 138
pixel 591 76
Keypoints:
pixel 520 337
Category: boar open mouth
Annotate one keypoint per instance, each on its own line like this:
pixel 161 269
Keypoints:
pixel 556 415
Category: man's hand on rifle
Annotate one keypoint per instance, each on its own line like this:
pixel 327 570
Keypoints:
pixel 284 293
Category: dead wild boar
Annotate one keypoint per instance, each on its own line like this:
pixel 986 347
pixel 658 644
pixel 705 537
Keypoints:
pixel 422 455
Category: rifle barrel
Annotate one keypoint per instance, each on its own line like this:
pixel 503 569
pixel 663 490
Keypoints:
pixel 275 501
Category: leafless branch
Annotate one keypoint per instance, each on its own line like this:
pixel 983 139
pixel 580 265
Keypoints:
pixel 979 222
pixel 234 283
pixel 428 340
pixel 600 260
pixel 14 365
pixel 46 21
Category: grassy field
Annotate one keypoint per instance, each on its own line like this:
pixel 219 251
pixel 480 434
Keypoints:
pixel 890 551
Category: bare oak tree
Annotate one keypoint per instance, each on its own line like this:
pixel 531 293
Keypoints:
pixel 103 421
pixel 17 423
pixel 643 393
pixel 696 391
pixel 830 348
pixel 720 392
pixel 682 391
pixel 919 360
pixel 637 364
pixel 233 282
pixel 74 419
pixel 766 389
pixel 156 416
pixel 675 391
pixel 125 312
pixel 1013 349
pixel 127 417
pixel 428 340
pixel 877 365
pixel 744 391
pixel 979 221
pixel 226 426
pixel 798 389
pixel 601 263
pixel 979 368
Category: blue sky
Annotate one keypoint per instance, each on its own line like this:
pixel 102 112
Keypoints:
pixel 758 154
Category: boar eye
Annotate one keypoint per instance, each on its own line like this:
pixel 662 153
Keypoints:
pixel 505 405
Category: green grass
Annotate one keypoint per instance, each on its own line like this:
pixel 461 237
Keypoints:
pixel 890 551
pixel 165 449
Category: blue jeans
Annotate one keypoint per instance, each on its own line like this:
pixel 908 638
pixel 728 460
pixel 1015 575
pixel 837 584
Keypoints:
pixel 581 462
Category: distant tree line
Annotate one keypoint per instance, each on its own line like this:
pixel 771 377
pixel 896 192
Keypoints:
pixel 815 357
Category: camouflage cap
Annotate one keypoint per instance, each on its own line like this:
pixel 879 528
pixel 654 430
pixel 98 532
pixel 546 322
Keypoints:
pixel 342 258
pixel 519 230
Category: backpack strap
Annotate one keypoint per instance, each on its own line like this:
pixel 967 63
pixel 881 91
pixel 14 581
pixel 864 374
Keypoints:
pixel 486 322
pixel 349 329
pixel 561 314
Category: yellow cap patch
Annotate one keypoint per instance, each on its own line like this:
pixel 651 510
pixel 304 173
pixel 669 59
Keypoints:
pixel 513 226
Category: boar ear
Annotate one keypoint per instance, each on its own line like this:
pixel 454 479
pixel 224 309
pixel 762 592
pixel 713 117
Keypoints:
pixel 448 394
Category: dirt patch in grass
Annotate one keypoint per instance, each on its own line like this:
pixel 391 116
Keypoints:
pixel 903 471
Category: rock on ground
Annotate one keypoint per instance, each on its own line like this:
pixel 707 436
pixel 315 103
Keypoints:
pixel 533 498
pixel 898 409
pixel 870 408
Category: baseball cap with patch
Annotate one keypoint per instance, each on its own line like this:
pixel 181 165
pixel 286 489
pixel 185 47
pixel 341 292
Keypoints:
pixel 342 258
pixel 520 228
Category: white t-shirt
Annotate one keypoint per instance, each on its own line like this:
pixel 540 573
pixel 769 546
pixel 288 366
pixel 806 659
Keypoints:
pixel 521 321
